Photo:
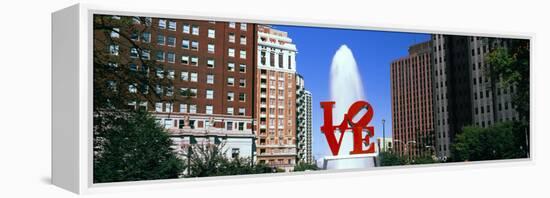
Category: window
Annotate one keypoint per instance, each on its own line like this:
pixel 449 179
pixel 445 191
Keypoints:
pixel 195 61
pixel 211 33
pixel 160 56
pixel 158 89
pixel 242 68
pixel 243 54
pixel 195 30
pixel 195 45
pixel 242 83
pixel 231 52
pixel 243 40
pixel 194 77
pixel 162 23
pixel 171 56
pixel 113 50
pixel 210 79
pixel 209 94
pixel 232 37
pixel 183 108
pixel 211 48
pixel 235 152
pixel 160 73
pixel 209 109
pixel 132 88
pixel 170 91
pixel 241 111
pixel 242 97
pixel 230 96
pixel 230 81
pixel 145 54
pixel 193 92
pixel 185 60
pixel 230 66
pixel 192 108
pixel 243 26
pixel 185 44
pixel 158 107
pixel 230 112
pixel 186 28
pixel 210 63
pixel 171 74
pixel 185 76
pixel 171 41
pixel 146 37
pixel 280 60
pixel 114 33
pixel 232 24
pixel 172 25
pixel 136 20
pixel 134 36
pixel 161 39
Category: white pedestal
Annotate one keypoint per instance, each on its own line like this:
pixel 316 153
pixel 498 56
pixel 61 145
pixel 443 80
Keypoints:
pixel 350 161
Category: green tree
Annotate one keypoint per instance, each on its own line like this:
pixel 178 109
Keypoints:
pixel 424 160
pixel 133 147
pixel 500 141
pixel 511 65
pixel 304 166
pixel 211 160
pixel 391 159
pixel 128 145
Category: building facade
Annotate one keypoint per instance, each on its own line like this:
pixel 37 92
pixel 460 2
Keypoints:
pixel 412 112
pixel 275 98
pixel 303 122
pixel 209 67
pixel 464 93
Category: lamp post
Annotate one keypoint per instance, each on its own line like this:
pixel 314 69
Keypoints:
pixel 192 141
pixel 406 145
pixel 432 151
pixel 384 134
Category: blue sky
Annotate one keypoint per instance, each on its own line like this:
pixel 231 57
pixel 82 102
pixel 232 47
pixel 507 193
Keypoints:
pixel 373 52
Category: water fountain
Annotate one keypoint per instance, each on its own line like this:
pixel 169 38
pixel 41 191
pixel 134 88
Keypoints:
pixel 346 87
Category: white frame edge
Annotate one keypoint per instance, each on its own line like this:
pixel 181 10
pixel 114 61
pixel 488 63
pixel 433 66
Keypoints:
pixel 72 100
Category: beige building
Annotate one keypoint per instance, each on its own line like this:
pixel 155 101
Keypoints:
pixel 275 99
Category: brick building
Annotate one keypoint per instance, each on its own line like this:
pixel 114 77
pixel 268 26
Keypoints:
pixel 412 113
pixel 210 67
pixel 275 98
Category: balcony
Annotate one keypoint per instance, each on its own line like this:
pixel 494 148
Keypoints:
pixel 276 153
pixel 263 85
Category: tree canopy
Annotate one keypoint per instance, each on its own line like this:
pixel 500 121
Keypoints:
pixel 133 147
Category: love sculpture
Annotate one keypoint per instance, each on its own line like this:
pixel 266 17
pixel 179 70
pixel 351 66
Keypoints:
pixel 347 123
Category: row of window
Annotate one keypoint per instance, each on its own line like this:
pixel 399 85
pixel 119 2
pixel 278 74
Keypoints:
pixel 170 41
pixel 194 29
pixel 172 56
pixel 192 108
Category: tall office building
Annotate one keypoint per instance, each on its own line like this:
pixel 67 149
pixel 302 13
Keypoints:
pixel 464 93
pixel 303 122
pixel 275 98
pixel 412 113
pixel 210 67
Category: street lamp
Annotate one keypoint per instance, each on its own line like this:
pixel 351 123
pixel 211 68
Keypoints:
pixel 384 134
pixel 432 151
pixel 406 145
